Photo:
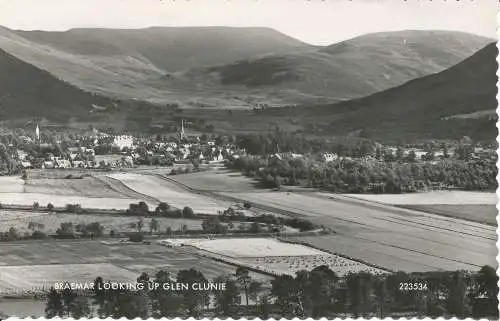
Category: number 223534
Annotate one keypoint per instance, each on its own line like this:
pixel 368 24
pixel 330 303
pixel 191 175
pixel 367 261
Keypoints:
pixel 412 286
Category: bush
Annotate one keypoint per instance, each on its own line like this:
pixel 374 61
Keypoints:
pixel 247 205
pixel 187 212
pixel 37 235
pixel 136 238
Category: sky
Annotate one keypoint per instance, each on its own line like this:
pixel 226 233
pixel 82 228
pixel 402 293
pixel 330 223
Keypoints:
pixel 319 22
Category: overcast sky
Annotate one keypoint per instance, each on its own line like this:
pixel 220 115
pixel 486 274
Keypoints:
pixel 316 22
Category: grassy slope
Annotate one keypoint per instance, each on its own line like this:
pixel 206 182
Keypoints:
pixel 350 69
pixel 418 108
pixel 455 102
pixel 132 63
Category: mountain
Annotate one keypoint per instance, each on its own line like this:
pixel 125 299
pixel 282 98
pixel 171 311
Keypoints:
pixel 351 69
pixel 27 92
pixel 459 101
pixel 131 63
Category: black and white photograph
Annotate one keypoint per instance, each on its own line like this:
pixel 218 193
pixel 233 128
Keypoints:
pixel 248 159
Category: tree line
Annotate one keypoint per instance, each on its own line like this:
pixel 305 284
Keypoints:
pixel 361 176
pixel 317 293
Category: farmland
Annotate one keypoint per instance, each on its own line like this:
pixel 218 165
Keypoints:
pixel 164 191
pixel 216 181
pixel 52 221
pixel 271 255
pixel 61 200
pixel 79 260
pixel 394 238
pixel 432 198
pixel 16 279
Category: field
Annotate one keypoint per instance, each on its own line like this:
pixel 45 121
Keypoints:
pixel 61 200
pixel 432 198
pixel 19 279
pixel 48 260
pixel 164 191
pixel 216 181
pixel 384 235
pixel 11 184
pixel 486 214
pixel 87 186
pixel 271 255
pixel 52 222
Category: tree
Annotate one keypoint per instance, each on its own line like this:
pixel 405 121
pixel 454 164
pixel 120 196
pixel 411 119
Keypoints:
pixel 54 306
pixel 68 297
pixel 80 308
pixel 140 224
pixel 164 303
pixel 264 307
pixel 65 229
pixel 255 228
pixel 50 207
pixel 243 277
pixel 227 300
pixel 187 212
pixel 36 205
pixel 193 301
pixel 13 234
pixel 154 225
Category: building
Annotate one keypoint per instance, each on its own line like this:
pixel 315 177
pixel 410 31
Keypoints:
pixel 123 141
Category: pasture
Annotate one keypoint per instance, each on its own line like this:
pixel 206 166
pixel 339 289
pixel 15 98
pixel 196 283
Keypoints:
pixel 216 181
pixel 390 237
pixel 87 186
pixel 165 191
pixel 11 184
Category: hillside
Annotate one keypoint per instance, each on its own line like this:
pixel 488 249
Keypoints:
pixel 132 63
pixel 27 92
pixel 351 69
pixel 453 103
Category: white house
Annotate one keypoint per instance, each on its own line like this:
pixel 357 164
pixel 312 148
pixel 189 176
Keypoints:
pixel 330 157
pixel 123 141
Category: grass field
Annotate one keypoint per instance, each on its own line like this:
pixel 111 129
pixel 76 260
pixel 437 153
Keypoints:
pixel 52 222
pixel 34 278
pixel 61 200
pixel 11 184
pixel 87 186
pixel 432 198
pixel 164 191
pixel 486 214
pixel 384 235
pixel 131 257
pixel 216 181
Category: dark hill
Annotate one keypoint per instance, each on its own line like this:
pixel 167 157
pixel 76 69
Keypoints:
pixel 27 92
pixel 460 101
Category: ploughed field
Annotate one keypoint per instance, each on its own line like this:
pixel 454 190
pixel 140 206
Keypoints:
pixel 384 235
pixel 271 255
pixel 30 266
